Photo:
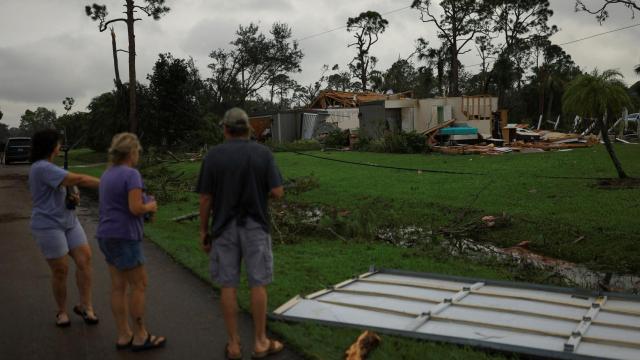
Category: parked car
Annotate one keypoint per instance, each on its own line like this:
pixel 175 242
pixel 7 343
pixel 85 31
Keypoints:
pixel 17 150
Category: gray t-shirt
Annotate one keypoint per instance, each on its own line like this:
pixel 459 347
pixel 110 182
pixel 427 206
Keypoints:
pixel 239 175
pixel 48 197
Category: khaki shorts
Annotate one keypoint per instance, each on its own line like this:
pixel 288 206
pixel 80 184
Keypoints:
pixel 249 242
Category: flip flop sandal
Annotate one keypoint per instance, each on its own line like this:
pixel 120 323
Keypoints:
pixel 83 314
pixel 272 350
pixel 124 346
pixel 227 354
pixel 148 344
pixel 62 324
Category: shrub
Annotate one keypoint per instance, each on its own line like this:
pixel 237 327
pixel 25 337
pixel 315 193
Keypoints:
pixel 400 143
pixel 336 138
pixel 298 145
pixel 377 145
pixel 416 143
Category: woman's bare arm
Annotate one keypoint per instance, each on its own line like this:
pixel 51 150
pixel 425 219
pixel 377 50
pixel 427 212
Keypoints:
pixel 137 207
pixel 80 180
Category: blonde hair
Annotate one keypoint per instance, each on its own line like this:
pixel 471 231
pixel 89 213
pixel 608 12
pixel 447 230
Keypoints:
pixel 122 145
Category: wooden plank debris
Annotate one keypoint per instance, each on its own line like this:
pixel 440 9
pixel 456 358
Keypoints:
pixel 366 342
pixel 186 217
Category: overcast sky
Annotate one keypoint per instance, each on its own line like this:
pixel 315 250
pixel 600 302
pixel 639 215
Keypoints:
pixel 50 49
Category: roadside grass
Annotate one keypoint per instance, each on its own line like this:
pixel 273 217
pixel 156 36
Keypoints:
pixel 554 214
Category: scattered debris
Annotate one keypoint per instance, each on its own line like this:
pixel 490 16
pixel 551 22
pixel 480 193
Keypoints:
pixel 578 240
pixel 625 141
pixel 614 184
pixel 191 216
pixel 489 220
pixel 366 342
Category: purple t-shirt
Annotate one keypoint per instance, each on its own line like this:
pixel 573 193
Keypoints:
pixel 116 221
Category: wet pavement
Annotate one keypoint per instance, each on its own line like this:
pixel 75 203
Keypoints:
pixel 179 306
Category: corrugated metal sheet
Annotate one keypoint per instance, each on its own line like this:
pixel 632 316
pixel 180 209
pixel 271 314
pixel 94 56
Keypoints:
pixel 286 127
pixel 537 320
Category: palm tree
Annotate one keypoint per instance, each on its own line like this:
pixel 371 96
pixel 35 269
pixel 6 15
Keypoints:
pixel 637 69
pixel 597 95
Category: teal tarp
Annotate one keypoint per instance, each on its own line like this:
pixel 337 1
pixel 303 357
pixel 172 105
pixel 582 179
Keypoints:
pixel 459 131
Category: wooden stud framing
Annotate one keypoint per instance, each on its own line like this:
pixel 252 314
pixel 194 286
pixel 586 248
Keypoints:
pixel 576 336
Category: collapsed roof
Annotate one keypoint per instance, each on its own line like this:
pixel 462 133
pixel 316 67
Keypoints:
pixel 344 99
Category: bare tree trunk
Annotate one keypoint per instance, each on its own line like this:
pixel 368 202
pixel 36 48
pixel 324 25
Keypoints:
pixel 133 121
pixel 550 106
pixel 363 75
pixel 607 143
pixel 454 87
pixel 115 59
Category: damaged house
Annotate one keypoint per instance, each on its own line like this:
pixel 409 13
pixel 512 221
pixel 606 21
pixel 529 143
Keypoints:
pixel 473 115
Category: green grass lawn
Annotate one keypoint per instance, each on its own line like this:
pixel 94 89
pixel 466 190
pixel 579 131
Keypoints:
pixel 551 213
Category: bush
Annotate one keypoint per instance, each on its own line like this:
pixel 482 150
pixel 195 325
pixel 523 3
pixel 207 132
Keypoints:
pixel 416 143
pixel 298 145
pixel 378 145
pixel 337 139
pixel 400 143
pixel 362 144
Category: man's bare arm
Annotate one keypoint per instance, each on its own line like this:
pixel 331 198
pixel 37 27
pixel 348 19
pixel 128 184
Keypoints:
pixel 205 213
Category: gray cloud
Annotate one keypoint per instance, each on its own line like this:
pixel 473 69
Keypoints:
pixel 62 53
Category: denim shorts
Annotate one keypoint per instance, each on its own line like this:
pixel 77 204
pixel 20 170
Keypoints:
pixel 56 243
pixel 122 254
pixel 249 242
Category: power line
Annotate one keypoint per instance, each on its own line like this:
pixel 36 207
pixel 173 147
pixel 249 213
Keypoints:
pixel 344 26
pixel 578 40
pixel 600 34
pixel 435 171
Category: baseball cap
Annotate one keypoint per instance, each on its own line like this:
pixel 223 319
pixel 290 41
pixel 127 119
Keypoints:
pixel 235 118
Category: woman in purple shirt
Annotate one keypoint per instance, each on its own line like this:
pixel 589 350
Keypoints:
pixel 56 228
pixel 122 208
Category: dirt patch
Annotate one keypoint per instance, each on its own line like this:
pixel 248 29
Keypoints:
pixel 11 217
pixel 615 184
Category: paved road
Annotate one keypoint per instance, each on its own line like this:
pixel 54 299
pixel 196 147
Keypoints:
pixel 179 306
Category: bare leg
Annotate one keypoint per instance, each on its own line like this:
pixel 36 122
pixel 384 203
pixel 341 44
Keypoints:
pixel 137 280
pixel 259 312
pixel 59 270
pixel 229 304
pixel 82 257
pixel 119 305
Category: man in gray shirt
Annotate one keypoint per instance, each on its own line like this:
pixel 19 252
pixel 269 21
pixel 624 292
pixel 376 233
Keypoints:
pixel 235 183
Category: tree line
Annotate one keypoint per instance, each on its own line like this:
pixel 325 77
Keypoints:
pixel 518 63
